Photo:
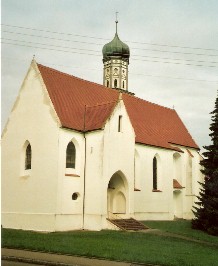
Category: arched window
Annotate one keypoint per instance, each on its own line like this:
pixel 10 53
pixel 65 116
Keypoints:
pixel 70 155
pixel 123 84
pixel 155 173
pixel 177 167
pixel 115 83
pixel 138 166
pixel 107 83
pixel 120 123
pixel 28 157
pixel 189 174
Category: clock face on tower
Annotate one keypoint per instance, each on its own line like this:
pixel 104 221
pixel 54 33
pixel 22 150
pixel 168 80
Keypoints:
pixel 115 71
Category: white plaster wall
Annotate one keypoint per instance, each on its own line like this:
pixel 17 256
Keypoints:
pixel 118 156
pixel 69 211
pixel 137 171
pixel 196 177
pixel 93 179
pixel 29 197
pixel 151 205
pixel 148 204
pixel 107 151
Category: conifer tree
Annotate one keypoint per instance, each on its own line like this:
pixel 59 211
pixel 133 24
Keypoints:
pixel 206 209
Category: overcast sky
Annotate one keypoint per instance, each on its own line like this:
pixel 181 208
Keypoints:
pixel 173 46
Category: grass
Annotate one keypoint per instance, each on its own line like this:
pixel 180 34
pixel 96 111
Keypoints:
pixel 182 228
pixel 125 246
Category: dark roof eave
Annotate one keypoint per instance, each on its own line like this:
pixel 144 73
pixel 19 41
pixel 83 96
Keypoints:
pixel 157 146
pixel 81 131
pixel 145 144
pixel 196 148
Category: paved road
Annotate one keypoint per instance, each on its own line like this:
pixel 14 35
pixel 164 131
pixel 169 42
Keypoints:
pixel 11 257
pixel 15 263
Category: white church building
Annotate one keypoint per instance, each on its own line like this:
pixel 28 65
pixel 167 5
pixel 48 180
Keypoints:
pixel 75 153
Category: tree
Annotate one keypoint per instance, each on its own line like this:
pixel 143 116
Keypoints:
pixel 206 209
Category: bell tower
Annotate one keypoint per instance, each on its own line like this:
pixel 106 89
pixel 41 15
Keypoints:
pixel 116 60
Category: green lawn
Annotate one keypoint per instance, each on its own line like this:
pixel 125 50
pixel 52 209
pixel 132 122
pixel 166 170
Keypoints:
pixel 126 246
pixel 183 228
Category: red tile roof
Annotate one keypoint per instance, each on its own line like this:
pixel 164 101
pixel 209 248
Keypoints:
pixel 153 124
pixel 156 125
pixel 96 115
pixel 176 184
pixel 69 96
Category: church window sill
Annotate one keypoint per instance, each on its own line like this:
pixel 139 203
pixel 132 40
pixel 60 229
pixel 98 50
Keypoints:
pixel 156 190
pixel 74 175
pixel 25 176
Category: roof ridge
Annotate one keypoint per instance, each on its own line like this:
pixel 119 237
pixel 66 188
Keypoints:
pixel 69 75
pixel 111 89
pixel 138 98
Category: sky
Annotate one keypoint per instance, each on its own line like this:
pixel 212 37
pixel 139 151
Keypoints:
pixel 173 49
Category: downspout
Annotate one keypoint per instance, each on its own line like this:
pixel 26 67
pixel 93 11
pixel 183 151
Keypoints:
pixel 84 171
pixel 134 167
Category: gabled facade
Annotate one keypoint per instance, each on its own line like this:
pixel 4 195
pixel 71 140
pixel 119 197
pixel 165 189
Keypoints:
pixel 75 153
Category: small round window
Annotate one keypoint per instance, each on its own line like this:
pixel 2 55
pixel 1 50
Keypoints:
pixel 75 196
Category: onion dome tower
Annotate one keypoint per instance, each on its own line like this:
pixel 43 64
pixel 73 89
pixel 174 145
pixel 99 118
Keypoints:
pixel 116 60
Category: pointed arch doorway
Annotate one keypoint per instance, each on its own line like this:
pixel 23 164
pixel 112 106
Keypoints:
pixel 117 195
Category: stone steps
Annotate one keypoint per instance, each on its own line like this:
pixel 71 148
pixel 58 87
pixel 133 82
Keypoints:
pixel 128 224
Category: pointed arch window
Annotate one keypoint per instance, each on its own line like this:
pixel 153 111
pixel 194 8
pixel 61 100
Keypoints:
pixel 154 173
pixel 28 157
pixel 71 156
pixel 120 123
